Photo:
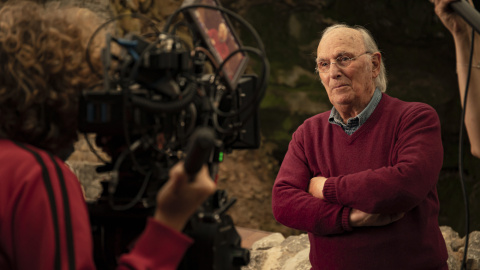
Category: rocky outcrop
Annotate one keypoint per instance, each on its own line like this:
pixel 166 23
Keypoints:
pixel 274 252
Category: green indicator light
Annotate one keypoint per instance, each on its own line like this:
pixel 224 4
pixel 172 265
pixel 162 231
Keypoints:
pixel 220 156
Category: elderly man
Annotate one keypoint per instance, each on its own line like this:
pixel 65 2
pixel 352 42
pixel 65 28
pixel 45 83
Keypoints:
pixel 361 178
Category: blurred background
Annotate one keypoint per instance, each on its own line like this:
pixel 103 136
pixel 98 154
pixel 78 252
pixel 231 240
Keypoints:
pixel 419 56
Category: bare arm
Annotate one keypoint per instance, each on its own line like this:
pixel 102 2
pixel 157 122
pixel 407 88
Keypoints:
pixel 461 33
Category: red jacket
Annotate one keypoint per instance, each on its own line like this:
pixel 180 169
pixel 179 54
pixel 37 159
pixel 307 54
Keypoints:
pixel 44 222
pixel 389 165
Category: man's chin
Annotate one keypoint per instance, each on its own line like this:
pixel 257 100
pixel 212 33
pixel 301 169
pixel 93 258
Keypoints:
pixel 341 100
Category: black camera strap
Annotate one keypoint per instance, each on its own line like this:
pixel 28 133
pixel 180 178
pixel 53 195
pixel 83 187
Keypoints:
pixel 53 207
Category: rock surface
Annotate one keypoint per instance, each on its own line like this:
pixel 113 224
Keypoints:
pixel 274 252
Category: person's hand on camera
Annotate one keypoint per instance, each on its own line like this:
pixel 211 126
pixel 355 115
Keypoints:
pixel 452 21
pixel 178 199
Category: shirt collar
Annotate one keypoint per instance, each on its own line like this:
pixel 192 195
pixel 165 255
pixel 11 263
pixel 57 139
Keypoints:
pixel 361 118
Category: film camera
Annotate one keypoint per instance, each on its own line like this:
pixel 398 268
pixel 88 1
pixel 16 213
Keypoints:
pixel 164 100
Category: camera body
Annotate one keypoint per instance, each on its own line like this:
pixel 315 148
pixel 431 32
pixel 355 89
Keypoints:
pixel 155 95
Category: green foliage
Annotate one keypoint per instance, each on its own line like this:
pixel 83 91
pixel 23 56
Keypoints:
pixel 272 100
pixel 270 21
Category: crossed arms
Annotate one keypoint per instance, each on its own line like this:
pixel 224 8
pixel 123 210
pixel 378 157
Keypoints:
pixel 333 204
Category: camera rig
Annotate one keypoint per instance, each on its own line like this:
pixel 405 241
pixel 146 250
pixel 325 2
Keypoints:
pixel 161 99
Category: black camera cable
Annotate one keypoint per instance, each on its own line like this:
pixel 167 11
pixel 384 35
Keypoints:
pixel 461 153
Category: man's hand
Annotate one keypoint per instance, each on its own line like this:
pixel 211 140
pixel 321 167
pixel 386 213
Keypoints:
pixel 452 21
pixel 359 218
pixel 178 199
pixel 316 186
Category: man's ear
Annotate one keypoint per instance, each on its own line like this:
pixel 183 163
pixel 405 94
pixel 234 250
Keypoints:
pixel 376 62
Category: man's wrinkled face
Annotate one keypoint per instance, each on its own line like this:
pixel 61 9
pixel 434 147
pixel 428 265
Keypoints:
pixel 351 86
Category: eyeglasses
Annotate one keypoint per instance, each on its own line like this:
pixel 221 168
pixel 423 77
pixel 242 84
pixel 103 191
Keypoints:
pixel 341 62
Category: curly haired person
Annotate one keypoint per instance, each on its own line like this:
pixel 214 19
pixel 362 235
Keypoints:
pixel 44 221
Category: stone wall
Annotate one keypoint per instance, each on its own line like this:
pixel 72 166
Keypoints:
pixel 276 252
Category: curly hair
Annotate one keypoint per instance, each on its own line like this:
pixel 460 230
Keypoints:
pixel 43 68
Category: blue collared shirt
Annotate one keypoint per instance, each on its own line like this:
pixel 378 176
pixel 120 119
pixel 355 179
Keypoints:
pixel 354 123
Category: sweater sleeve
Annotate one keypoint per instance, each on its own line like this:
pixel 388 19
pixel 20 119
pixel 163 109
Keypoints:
pixel 416 162
pixel 294 207
pixel 158 247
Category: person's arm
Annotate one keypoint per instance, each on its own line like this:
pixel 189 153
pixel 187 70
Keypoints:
pixel 162 245
pixel 294 207
pixel 417 160
pixel 461 33
pixel 357 218
pixel 158 247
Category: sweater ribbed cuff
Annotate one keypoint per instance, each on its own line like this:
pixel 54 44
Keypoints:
pixel 346 219
pixel 329 191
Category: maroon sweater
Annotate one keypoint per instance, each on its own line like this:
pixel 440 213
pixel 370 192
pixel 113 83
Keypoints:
pixel 35 234
pixel 389 165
